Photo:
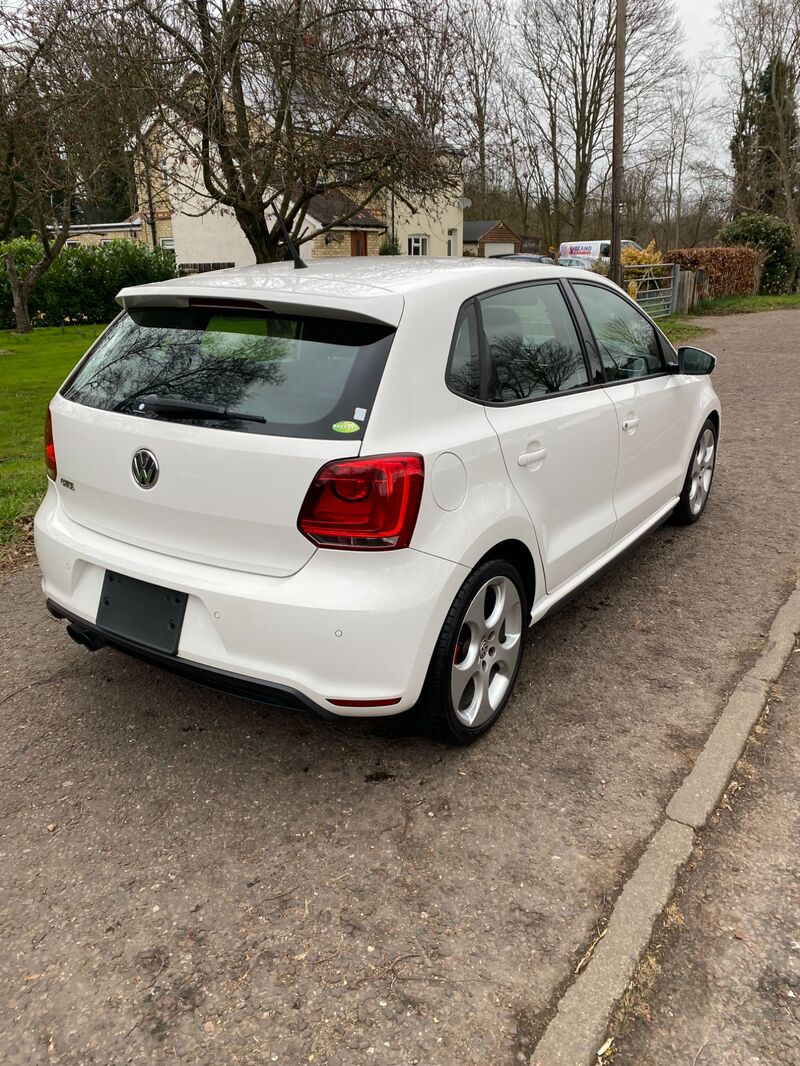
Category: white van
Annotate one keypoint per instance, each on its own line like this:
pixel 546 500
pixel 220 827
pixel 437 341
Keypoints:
pixel 590 249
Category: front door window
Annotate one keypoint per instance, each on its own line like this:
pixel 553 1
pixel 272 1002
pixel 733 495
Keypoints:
pixel 625 338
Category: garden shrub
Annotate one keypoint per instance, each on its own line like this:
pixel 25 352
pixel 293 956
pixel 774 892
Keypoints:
pixel 728 271
pixel 82 284
pixel 631 256
pixel 775 239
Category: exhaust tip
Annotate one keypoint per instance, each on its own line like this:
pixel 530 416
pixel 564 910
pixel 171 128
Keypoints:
pixel 84 637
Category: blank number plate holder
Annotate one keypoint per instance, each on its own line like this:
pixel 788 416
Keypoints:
pixel 142 613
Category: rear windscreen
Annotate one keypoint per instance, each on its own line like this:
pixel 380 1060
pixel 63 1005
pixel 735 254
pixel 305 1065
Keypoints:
pixel 305 377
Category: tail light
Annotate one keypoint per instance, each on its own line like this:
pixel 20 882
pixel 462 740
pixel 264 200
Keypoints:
pixel 49 447
pixel 364 504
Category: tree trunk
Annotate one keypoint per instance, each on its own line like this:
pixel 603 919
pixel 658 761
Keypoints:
pixel 20 293
pixel 266 243
pixel 21 289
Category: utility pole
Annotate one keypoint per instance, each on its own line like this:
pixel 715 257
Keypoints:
pixel 617 143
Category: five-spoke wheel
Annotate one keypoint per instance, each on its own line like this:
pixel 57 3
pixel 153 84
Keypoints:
pixel 699 476
pixel 487 651
pixel 478 653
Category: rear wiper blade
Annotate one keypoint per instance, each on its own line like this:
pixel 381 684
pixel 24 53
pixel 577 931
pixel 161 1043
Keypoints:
pixel 174 408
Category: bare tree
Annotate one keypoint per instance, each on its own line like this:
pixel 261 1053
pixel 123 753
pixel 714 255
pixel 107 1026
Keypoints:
pixel 479 71
pixel 262 106
pixel 519 151
pixel 682 135
pixel 54 131
pixel 567 49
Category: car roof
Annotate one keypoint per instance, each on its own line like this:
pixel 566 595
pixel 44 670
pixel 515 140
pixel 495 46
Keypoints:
pixel 369 287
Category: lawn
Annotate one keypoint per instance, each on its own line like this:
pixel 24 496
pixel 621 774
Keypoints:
pixel 679 331
pixel 32 367
pixel 742 305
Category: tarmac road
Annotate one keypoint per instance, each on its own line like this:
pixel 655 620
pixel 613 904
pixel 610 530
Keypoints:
pixel 188 877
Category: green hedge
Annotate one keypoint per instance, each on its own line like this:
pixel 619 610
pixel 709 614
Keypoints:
pixel 775 239
pixel 82 283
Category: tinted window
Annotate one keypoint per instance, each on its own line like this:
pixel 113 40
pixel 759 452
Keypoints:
pixel 303 375
pixel 626 340
pixel 532 344
pixel 463 376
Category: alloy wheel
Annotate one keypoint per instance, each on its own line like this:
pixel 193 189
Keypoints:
pixel 487 651
pixel 702 471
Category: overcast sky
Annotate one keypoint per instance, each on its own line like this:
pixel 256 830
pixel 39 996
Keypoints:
pixel 697 17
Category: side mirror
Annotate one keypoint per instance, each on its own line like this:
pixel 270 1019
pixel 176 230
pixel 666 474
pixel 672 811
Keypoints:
pixel 695 361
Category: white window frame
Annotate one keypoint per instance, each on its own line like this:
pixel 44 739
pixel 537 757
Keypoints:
pixel 418 244
pixel 167 243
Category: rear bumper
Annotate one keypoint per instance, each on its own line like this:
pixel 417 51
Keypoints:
pixel 349 626
pixel 95 637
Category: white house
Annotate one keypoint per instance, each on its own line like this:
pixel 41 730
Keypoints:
pixel 177 214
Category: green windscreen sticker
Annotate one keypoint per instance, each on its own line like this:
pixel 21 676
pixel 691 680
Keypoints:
pixel 345 427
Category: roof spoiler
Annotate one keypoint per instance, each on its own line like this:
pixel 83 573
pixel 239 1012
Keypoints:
pixel 386 310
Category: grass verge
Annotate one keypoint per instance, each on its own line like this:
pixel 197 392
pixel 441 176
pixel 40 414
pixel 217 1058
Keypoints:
pixel 743 305
pixel 679 331
pixel 32 366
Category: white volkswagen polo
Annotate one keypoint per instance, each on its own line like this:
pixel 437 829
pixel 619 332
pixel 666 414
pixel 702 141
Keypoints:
pixel 352 487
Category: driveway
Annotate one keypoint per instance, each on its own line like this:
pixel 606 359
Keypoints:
pixel 187 877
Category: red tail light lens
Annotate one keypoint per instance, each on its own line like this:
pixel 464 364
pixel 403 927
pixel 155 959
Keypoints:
pixel 364 504
pixel 49 447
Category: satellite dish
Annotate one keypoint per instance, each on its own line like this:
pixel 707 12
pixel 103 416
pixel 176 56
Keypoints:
pixel 465 203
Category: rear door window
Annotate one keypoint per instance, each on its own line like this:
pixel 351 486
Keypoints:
pixel 306 376
pixel 532 343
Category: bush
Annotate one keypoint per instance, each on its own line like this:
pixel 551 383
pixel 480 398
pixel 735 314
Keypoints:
pixel 775 239
pixel 390 246
pixel 631 256
pixel 82 284
pixel 728 271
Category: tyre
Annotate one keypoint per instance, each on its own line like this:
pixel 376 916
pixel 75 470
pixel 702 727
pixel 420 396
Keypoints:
pixel 699 476
pixel 477 656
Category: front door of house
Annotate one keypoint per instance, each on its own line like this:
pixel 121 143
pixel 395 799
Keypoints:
pixel 358 242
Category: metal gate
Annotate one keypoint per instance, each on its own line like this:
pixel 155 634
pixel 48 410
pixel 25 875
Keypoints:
pixel 654 286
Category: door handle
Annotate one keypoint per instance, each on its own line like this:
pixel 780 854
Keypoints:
pixel 631 423
pixel 529 458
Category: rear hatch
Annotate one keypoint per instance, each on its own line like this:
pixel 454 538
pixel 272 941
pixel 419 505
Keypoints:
pixel 196 431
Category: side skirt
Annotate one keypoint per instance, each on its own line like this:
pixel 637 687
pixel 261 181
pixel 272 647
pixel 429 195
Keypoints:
pixel 568 592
